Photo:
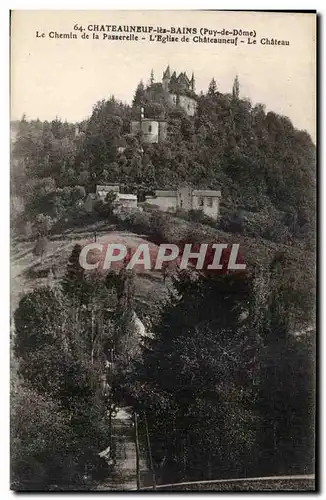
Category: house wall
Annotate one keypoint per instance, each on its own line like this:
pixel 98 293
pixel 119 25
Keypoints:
pixel 127 203
pixel 150 131
pixel 188 104
pixel 212 211
pixel 184 198
pixel 149 128
pixel 165 203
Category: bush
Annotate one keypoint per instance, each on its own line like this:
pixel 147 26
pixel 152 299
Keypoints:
pixel 43 224
pixel 102 209
pixel 136 221
pixel 195 216
pixel 66 423
pixel 50 447
pixel 23 228
pixel 182 213
pixel 276 231
pixel 159 226
pixel 231 223
pixel 149 207
pixel 264 224
pixel 199 216
pixel 39 432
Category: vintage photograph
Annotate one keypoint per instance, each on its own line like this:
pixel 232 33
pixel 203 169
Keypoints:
pixel 163 251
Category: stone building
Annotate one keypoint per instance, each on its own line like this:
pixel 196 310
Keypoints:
pixel 181 90
pixel 152 131
pixel 187 198
pixel 102 191
pixel 125 201
pixel 122 200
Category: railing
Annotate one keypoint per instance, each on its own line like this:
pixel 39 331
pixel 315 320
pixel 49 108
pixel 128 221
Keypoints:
pixel 302 477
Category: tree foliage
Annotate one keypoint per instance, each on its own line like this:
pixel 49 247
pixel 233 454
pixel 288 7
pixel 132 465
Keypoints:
pixel 63 339
pixel 226 387
pixel 196 380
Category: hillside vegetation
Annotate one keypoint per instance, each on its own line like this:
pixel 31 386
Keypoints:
pixel 224 385
pixel 264 167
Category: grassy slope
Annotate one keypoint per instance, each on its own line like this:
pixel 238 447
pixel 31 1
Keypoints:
pixel 28 272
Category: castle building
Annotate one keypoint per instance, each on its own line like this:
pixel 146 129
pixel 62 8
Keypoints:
pixel 180 90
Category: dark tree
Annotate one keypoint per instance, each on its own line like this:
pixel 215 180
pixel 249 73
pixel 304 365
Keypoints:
pixel 74 282
pixel 139 97
pixel 196 384
pixel 212 88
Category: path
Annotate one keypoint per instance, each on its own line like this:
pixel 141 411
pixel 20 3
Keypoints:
pixel 124 474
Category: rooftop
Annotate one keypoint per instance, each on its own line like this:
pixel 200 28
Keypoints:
pixel 108 187
pixel 123 196
pixel 195 192
pixel 206 192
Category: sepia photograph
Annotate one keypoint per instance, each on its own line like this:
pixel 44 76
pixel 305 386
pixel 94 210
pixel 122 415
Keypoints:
pixel 163 199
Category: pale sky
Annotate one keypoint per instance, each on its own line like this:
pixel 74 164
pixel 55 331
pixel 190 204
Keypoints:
pixel 66 77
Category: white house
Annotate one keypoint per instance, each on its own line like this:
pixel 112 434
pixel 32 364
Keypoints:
pixel 187 198
pixel 128 201
pixel 102 191
pixel 208 201
pixel 164 199
pixel 122 200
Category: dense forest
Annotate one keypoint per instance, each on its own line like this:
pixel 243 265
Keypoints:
pixel 224 385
